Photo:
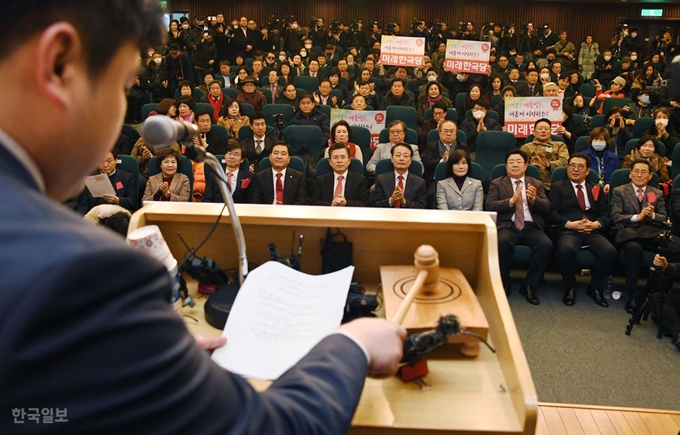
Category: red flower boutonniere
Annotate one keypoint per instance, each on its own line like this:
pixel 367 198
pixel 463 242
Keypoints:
pixel 245 183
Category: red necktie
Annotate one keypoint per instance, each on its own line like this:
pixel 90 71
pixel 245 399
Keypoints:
pixel 273 94
pixel 279 189
pixel 640 194
pixel 230 177
pixel 581 199
pixel 519 210
pixel 338 188
pixel 401 186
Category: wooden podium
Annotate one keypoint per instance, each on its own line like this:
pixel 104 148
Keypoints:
pixel 489 394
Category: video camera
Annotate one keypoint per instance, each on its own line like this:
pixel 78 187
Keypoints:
pixel 335 25
pixel 389 28
pixel 273 23
pixel 354 27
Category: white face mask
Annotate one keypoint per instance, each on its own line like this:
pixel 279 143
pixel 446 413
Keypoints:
pixel 478 114
pixel 350 62
pixel 308 46
pixel 545 76
pixel 644 99
pixel 282 58
pixel 460 77
pixel 599 145
pixel 303 54
pixel 431 78
pixel 607 58
pixel 662 121
pixel 185 26
pixel 158 60
pixel 633 58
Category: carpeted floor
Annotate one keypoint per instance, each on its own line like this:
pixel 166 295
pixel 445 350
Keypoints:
pixel 581 355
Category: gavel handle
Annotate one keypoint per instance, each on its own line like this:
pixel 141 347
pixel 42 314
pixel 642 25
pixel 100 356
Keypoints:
pixel 406 303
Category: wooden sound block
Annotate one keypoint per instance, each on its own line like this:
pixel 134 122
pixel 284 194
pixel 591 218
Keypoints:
pixel 453 295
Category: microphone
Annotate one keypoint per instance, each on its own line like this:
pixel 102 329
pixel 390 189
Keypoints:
pixel 162 131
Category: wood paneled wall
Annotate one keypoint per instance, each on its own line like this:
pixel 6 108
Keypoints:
pixel 578 18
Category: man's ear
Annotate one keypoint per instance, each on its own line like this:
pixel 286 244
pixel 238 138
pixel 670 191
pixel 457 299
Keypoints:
pixel 59 62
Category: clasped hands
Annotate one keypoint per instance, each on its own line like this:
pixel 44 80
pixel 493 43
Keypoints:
pixel 647 212
pixel 398 196
pixel 583 226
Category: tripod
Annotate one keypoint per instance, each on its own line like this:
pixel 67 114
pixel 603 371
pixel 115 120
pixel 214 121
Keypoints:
pixel 652 296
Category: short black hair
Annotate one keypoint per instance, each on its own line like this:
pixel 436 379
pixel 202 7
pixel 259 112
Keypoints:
pixel 542 120
pixel 255 116
pixel 642 161
pixel 281 143
pixel 454 157
pixel 516 151
pixel 585 157
pixel 104 26
pixel 402 144
pixel 337 146
pixel 168 152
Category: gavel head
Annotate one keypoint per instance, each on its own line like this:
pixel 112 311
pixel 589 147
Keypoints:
pixel 426 258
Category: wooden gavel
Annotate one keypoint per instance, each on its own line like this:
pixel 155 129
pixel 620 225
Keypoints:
pixel 426 262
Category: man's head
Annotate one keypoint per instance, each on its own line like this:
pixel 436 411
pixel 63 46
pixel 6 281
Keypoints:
pixel 258 123
pixel 252 24
pixel 325 87
pixel 564 81
pixel 556 68
pixel 447 131
pixel 234 156
pixel 342 65
pixel 306 104
pixel 563 36
pixel 479 109
pixel 365 89
pixel 397 87
pixel 243 22
pixel 516 163
pixel 358 102
pixel 215 89
pixel 503 61
pixel 280 156
pixel 338 157
pixel 204 121
pixel 401 157
pixel 273 77
pixel 290 92
pixel 519 59
pixel 439 111
pixel 314 65
pixel 641 172
pixel 617 84
pixel 257 66
pixel 542 130
pixel 532 77
pixel 397 131
pixel 248 84
pixel 578 167
pixel 550 89
pixel 77 58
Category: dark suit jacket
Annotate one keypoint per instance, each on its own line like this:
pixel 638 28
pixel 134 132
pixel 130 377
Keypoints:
pixel 356 190
pixel 498 200
pixel 564 206
pixel 126 190
pixel 108 305
pixel 241 195
pixel 414 191
pixel 294 188
pixel 251 155
pixel 239 41
pixel 431 157
pixel 624 205
pixel 523 90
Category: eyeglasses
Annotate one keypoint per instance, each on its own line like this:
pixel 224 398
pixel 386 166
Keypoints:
pixel 575 166
pixel 640 172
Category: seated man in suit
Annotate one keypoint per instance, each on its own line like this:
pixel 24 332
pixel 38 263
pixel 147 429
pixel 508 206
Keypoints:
pixel 216 99
pixel 341 187
pixel 211 142
pixel 520 202
pixel 239 180
pixel 399 189
pixel 580 211
pixel 397 134
pixel 259 146
pixel 439 150
pixel 439 111
pixel 635 207
pixel 123 184
pixel 279 184
pixel 545 153
pixel 477 124
pixel 530 88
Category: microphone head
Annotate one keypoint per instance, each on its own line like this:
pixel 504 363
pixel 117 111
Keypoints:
pixel 651 197
pixel 159 131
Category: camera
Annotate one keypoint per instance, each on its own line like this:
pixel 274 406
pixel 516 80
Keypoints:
pixel 389 28
pixel 312 23
pixel 335 25
pixel 273 23
pixel 278 121
pixel 355 27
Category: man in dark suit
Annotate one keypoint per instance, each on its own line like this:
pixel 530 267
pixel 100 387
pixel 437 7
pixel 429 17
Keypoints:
pixel 439 112
pixel 243 39
pixel 260 145
pixel 206 137
pixel 580 211
pixel 531 87
pixel 216 99
pixel 313 70
pixel 400 189
pixel 124 184
pixel 438 151
pixel 342 187
pixel 279 185
pixel 239 181
pixel 520 202
pixel 635 207
pixel 98 312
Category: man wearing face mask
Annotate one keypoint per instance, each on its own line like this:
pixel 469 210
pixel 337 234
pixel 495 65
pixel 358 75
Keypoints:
pixel 604 68
pixel 477 124
pixel 184 30
pixel 641 107
pixel 293 38
pixel 433 76
pixel 456 82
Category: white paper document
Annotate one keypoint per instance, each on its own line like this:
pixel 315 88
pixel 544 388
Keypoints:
pixel 279 315
pixel 99 185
